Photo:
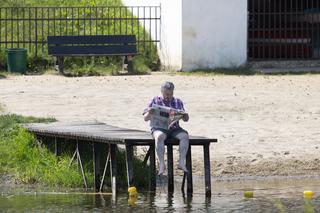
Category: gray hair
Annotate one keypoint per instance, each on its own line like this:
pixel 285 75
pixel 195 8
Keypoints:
pixel 167 86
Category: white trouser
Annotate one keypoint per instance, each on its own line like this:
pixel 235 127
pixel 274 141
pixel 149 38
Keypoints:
pixel 183 138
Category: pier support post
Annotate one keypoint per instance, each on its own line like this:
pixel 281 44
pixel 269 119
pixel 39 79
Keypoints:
pixel 57 147
pixel 170 169
pixel 152 178
pixel 189 174
pixel 96 149
pixel 207 174
pixel 113 168
pixel 129 162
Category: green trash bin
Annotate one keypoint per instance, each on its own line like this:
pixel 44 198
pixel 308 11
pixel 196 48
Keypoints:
pixel 17 60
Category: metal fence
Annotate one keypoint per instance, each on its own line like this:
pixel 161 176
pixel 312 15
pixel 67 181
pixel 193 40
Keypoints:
pixel 29 27
pixel 283 29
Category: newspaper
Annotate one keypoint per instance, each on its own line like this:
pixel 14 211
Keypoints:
pixel 164 117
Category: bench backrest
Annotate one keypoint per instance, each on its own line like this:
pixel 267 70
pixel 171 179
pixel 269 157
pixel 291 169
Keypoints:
pixel 92 45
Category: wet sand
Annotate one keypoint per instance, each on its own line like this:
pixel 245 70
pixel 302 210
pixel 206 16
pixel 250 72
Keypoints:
pixel 265 125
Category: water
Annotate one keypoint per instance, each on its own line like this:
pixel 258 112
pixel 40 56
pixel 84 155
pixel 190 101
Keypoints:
pixel 274 195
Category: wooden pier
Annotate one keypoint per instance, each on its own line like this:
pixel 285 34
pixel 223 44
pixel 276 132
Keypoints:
pixel 99 134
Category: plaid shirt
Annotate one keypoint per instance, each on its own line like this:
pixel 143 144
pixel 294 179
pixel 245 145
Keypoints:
pixel 175 103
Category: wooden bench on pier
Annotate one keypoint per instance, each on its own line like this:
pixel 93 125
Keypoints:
pixel 92 45
pixel 98 134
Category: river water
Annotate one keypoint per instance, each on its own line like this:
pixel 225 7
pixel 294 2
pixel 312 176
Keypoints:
pixel 269 195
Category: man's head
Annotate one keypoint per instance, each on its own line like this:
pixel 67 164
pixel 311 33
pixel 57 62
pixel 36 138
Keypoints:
pixel 167 90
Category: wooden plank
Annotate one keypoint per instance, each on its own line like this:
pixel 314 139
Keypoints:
pixel 152 183
pixel 96 152
pixel 207 174
pixel 92 50
pixel 129 163
pixel 189 174
pixel 96 39
pixel 113 168
pixel 170 169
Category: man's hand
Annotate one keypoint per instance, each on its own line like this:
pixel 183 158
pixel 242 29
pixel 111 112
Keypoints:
pixel 185 117
pixel 150 110
pixel 147 116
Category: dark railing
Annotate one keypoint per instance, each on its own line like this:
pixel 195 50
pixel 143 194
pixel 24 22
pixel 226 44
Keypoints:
pixel 29 27
pixel 284 29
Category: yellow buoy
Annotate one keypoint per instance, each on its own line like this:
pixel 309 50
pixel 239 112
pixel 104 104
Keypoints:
pixel 248 194
pixel 132 200
pixel 132 195
pixel 132 191
pixel 308 194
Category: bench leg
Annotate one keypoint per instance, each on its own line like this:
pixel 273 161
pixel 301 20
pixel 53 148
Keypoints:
pixel 60 60
pixel 130 64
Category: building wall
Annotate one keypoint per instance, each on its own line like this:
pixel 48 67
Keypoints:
pixel 214 34
pixel 171 29
pixel 201 34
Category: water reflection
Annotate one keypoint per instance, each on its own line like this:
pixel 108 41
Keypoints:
pixel 273 196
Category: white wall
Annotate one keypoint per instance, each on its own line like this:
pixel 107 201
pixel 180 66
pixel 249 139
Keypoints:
pixel 201 34
pixel 171 29
pixel 214 34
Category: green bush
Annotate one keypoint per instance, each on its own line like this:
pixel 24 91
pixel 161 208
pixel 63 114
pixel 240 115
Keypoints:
pixel 139 65
pixel 3 60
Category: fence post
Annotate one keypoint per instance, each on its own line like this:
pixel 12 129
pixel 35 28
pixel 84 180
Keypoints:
pixel 36 31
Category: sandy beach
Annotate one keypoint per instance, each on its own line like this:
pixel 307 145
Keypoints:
pixel 265 125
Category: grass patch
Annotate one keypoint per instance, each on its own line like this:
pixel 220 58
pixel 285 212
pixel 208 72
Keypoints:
pixel 3 75
pixel 139 66
pixel 21 156
pixel 2 109
pixel 100 66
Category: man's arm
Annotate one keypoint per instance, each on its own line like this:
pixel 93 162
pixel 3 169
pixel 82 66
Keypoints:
pixel 148 114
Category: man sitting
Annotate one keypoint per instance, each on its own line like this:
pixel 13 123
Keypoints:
pixel 173 131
